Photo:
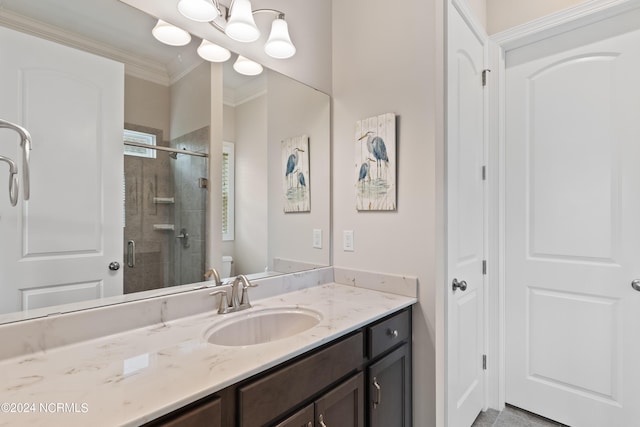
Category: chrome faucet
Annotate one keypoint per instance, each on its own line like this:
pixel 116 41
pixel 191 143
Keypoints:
pixel 241 303
pixel 238 303
pixel 212 272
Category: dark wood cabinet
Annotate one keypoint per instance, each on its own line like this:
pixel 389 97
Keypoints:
pixel 266 399
pixel 389 402
pixel 343 406
pixel 361 379
pixel 303 418
pixel 205 413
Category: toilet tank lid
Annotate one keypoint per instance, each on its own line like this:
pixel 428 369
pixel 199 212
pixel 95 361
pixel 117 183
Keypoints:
pixel 227 258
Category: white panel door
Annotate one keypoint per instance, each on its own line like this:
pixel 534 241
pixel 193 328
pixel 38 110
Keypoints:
pixel 56 247
pixel 573 225
pixel 465 228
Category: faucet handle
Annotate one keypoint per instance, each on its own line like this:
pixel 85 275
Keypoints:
pixel 224 303
pixel 244 300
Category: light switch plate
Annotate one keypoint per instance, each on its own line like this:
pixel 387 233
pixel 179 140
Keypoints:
pixel 347 240
pixel 317 238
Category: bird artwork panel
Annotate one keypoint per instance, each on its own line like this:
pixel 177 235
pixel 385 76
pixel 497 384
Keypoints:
pixel 375 163
pixel 295 174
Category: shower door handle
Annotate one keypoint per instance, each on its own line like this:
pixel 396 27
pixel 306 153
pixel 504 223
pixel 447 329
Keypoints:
pixel 131 253
pixel 184 236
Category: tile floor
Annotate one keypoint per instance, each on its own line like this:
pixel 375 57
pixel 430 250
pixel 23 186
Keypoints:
pixel 512 417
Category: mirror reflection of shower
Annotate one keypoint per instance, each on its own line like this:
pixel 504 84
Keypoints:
pixel 165 208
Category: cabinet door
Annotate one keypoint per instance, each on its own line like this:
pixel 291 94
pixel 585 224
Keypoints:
pixel 302 418
pixel 208 414
pixel 389 383
pixel 343 406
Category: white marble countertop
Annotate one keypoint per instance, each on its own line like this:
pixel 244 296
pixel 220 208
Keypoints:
pixel 136 376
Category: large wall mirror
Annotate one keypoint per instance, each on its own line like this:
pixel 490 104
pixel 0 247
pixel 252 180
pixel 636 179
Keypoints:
pixel 204 163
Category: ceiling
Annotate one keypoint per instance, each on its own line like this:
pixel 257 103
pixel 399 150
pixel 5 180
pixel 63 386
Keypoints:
pixel 124 29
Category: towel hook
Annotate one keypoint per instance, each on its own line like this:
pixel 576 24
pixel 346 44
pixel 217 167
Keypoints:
pixel 25 145
pixel 13 179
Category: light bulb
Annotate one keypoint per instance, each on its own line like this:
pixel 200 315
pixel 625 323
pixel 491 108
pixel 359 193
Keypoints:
pixel 198 10
pixel 246 66
pixel 279 45
pixel 212 52
pixel 241 26
pixel 170 34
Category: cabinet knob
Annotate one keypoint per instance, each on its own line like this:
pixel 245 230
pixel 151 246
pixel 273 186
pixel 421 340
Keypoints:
pixel 393 333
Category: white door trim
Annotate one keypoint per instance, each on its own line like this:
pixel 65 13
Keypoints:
pixel 499 44
pixel 442 293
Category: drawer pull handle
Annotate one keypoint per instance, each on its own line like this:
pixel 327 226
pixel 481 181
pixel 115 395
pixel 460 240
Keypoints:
pixel 378 392
pixel 392 333
pixel 321 421
pixel 309 424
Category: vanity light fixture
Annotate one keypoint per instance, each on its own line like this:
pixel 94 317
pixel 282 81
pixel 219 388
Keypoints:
pixel 247 67
pixel 170 34
pixel 212 52
pixel 198 10
pixel 237 22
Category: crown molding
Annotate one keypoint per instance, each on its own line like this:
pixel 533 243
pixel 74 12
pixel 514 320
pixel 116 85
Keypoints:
pixel 134 66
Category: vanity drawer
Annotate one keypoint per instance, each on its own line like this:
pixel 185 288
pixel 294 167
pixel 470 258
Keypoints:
pixel 388 333
pixel 275 394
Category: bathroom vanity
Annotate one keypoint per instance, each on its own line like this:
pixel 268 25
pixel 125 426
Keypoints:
pixel 361 379
pixel 353 364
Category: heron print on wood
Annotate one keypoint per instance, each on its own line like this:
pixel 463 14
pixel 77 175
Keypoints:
pixel 375 163
pixel 295 174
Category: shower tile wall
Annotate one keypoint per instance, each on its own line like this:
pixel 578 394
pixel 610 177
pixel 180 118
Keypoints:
pixel 146 178
pixel 190 208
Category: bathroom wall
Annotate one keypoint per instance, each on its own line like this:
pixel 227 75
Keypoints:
pixel 479 10
pixel 191 101
pixel 504 14
pixel 291 234
pixel 251 191
pixel 147 104
pixel 385 60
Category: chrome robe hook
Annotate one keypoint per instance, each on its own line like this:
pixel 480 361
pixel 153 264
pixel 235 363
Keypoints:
pixel 13 179
pixel 25 144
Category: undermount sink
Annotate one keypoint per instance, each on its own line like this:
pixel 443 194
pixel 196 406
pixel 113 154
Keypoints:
pixel 258 326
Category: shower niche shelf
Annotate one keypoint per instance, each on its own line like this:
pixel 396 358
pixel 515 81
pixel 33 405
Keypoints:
pixel 164 200
pixel 164 227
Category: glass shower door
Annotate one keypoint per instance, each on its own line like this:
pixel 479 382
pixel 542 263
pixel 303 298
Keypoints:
pixel 165 216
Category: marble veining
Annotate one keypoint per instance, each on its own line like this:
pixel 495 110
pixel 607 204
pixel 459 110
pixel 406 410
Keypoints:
pixel 133 376
pixel 395 284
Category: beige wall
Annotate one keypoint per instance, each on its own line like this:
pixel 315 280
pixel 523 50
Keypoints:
pixel 376 72
pixel 147 104
pixel 191 101
pixel 479 9
pixel 251 200
pixel 504 14
pixel 295 109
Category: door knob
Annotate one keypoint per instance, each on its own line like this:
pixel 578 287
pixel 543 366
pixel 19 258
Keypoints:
pixel 462 285
pixel 114 266
pixel 636 285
